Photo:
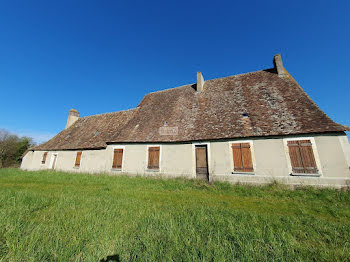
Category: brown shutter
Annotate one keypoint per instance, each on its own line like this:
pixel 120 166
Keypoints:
pixel 150 158
pixel 242 157
pixel 117 158
pixel 237 157
pixel 307 155
pixel 44 158
pixel 77 159
pixel 153 157
pixel 295 157
pixel 246 157
pixel 156 157
pixel 302 156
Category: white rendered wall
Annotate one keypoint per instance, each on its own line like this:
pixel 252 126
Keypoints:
pixel 270 159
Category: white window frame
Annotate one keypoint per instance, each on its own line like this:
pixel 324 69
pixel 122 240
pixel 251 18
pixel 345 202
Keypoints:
pixel 252 153
pixel 160 159
pixel 194 173
pixel 51 160
pixel 117 169
pixel 316 156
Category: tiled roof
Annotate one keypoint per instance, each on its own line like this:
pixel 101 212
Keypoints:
pixel 253 104
pixel 248 105
pixel 89 132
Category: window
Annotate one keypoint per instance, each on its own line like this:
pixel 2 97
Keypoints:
pixel 242 157
pixel 78 159
pixel 302 157
pixel 44 158
pixel 117 158
pixel 153 158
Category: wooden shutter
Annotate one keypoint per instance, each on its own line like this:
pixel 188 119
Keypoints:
pixel 242 157
pixel 118 158
pixel 246 157
pixel 302 156
pixel 237 157
pixel 153 157
pixel 44 158
pixel 77 159
pixel 295 157
pixel 308 156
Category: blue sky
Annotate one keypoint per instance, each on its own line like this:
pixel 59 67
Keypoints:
pixel 104 56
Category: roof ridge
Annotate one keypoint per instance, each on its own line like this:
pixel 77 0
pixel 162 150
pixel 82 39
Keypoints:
pixel 213 79
pixel 167 89
pixel 253 72
pixel 130 109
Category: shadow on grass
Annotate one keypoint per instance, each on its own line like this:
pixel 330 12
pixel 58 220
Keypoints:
pixel 112 258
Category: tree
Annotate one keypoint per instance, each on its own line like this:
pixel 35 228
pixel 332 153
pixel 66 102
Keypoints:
pixel 12 148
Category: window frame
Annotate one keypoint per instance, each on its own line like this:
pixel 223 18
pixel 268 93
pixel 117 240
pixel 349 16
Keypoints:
pixel 314 150
pixel 53 154
pixel 123 159
pixel 160 159
pixel 47 154
pixel 75 159
pixel 252 154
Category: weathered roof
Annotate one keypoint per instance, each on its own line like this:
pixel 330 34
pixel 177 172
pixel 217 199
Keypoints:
pixel 90 132
pixel 274 105
pixel 248 105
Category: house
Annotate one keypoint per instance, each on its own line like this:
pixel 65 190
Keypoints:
pixel 255 128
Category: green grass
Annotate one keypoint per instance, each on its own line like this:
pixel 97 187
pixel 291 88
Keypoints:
pixel 54 216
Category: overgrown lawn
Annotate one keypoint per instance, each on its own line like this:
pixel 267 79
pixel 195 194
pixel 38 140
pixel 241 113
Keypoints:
pixel 55 216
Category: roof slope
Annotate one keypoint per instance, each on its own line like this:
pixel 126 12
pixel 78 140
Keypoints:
pixel 275 106
pixel 254 104
pixel 89 132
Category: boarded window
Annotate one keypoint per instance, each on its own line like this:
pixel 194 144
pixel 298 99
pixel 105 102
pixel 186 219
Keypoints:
pixel 302 157
pixel 44 158
pixel 77 159
pixel 153 157
pixel 242 157
pixel 117 158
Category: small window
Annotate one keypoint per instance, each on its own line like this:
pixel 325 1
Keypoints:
pixel 302 157
pixel 153 158
pixel 242 158
pixel 43 161
pixel 117 158
pixel 78 159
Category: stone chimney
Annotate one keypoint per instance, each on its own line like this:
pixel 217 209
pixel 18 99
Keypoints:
pixel 200 82
pixel 277 61
pixel 73 116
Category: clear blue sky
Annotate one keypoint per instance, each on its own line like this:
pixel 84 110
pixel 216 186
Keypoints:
pixel 104 56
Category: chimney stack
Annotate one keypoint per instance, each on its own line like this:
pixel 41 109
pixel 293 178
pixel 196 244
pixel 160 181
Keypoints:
pixel 277 61
pixel 73 116
pixel 200 82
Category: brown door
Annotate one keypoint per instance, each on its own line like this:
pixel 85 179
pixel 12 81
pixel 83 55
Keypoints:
pixel 54 161
pixel 202 162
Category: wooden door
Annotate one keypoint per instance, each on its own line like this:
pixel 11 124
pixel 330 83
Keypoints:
pixel 202 162
pixel 54 161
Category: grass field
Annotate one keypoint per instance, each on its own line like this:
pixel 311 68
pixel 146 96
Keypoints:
pixel 53 216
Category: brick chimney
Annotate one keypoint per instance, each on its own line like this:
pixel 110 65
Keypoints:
pixel 200 82
pixel 73 116
pixel 277 61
